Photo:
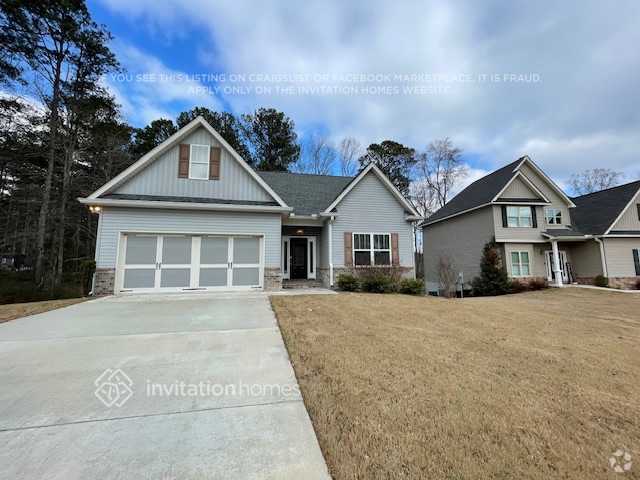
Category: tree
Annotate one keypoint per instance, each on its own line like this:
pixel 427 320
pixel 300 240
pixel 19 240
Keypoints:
pixel 272 139
pixel 493 279
pixel 394 159
pixel 317 156
pixel 447 276
pixel 225 123
pixel 149 137
pixel 440 168
pixel 348 153
pixel 46 37
pixel 589 181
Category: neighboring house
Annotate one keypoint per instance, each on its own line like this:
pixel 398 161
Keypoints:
pixel 541 232
pixel 193 215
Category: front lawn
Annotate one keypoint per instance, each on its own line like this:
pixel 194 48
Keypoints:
pixel 537 385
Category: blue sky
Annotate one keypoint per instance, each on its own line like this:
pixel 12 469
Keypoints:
pixel 555 80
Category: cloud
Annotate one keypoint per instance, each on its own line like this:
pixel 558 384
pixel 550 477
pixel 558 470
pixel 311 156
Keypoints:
pixel 581 112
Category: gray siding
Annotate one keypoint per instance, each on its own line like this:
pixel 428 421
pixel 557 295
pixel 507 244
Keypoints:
pixel 518 233
pixel 619 256
pixel 629 219
pixel 461 238
pixel 371 208
pixel 116 220
pixel 519 189
pixel 585 258
pixel 556 200
pixel 161 177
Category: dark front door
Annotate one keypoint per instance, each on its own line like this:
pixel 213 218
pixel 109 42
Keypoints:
pixel 298 258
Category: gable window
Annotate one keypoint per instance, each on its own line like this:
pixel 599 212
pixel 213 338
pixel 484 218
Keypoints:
pixel 553 216
pixel 520 264
pixel 371 249
pixel 519 217
pixel 199 162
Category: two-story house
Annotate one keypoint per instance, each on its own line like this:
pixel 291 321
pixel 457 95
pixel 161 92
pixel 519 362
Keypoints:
pixel 541 231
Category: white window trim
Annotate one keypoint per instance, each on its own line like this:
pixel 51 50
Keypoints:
pixel 518 217
pixel 372 250
pixel 191 177
pixel 520 263
pixel 553 216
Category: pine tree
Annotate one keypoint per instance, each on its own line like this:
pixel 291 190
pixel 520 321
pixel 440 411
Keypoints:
pixel 493 279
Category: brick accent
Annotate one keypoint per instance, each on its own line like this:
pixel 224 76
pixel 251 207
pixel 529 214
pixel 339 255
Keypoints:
pixel 272 279
pixel 104 281
pixel 623 283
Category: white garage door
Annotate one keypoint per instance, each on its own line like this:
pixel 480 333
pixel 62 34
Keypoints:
pixel 153 262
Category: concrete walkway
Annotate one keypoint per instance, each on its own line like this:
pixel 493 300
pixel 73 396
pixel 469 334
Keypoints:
pixel 158 387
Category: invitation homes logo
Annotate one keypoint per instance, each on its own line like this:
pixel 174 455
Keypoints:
pixel 114 388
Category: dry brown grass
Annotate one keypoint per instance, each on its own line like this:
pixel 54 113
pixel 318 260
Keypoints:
pixel 17 310
pixel 538 385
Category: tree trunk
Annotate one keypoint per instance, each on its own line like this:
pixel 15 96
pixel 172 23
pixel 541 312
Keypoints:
pixel 46 194
pixel 66 178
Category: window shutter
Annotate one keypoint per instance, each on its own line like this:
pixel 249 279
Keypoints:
pixel 183 161
pixel 348 255
pixel 636 260
pixel 395 254
pixel 638 205
pixel 504 216
pixel 534 217
pixel 214 163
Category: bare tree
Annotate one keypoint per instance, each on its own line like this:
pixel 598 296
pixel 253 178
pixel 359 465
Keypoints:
pixel 440 168
pixel 349 152
pixel 318 156
pixel 447 276
pixel 589 181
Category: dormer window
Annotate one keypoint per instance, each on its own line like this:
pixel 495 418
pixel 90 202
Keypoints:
pixel 519 216
pixel 553 216
pixel 199 162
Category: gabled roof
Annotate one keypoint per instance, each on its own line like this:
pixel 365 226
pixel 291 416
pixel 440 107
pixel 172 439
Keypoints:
pixel 306 193
pixel 597 212
pixel 174 139
pixel 487 190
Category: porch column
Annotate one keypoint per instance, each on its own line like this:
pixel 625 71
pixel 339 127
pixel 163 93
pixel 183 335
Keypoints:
pixel 556 263
pixel 331 251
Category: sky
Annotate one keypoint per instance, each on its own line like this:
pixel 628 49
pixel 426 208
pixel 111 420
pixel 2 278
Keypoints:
pixel 558 81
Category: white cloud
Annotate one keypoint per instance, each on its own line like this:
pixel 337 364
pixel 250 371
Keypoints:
pixel 581 114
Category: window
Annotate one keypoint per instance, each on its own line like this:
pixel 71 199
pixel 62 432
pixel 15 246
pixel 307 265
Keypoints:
pixel 199 162
pixel 638 207
pixel 520 264
pixel 519 217
pixel 553 216
pixel 371 249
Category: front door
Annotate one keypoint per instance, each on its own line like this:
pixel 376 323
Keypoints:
pixel 551 275
pixel 298 258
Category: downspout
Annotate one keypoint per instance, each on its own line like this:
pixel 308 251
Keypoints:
pixel 331 251
pixel 603 256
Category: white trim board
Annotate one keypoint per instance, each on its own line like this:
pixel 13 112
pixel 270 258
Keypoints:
pixel 170 142
pixel 108 202
pixel 631 202
pixel 385 180
pixel 550 182
pixel 528 182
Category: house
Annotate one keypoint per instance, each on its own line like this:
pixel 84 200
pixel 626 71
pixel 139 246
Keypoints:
pixel 191 214
pixel 541 232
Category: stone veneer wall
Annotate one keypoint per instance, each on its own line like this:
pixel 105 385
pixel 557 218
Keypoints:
pixel 624 283
pixel 272 279
pixel 104 281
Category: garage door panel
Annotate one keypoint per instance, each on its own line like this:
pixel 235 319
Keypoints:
pixel 139 278
pixel 214 250
pixel 246 277
pixel 141 249
pixel 213 277
pixel 176 250
pixel 175 278
pixel 246 250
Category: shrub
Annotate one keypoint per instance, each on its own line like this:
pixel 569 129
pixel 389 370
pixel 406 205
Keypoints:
pixel 518 286
pixel 493 279
pixel 347 282
pixel 411 286
pixel 378 283
pixel 638 284
pixel 601 281
pixel 538 284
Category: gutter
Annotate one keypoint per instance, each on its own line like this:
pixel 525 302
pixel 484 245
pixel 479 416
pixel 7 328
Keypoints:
pixel 182 205
pixel 603 256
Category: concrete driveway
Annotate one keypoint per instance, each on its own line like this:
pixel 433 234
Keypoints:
pixel 190 386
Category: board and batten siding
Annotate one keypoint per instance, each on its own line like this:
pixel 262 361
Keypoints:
pixel 460 238
pixel 160 177
pixel 519 189
pixel 115 220
pixel 371 208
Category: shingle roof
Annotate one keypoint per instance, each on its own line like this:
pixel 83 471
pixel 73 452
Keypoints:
pixel 478 193
pixel 563 232
pixel 595 212
pixel 306 193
